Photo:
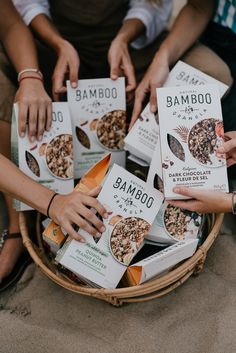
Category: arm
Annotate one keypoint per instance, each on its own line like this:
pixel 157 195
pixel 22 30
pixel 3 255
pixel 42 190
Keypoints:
pixel 142 24
pixel 154 15
pixel 203 201
pixel 118 54
pixel 68 59
pixel 206 201
pixel 187 28
pixel 65 210
pixel 33 100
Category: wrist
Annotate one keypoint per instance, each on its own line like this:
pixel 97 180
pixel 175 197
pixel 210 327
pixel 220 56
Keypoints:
pixel 50 204
pixel 59 44
pixel 228 202
pixel 165 56
pixel 122 38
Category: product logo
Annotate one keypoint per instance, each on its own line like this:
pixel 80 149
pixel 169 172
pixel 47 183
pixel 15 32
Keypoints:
pixel 96 98
pixel 131 197
pixel 189 102
pixel 186 78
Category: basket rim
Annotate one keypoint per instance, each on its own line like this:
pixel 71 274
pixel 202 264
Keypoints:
pixel 152 285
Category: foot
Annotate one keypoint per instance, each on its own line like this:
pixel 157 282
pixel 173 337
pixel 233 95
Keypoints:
pixel 10 253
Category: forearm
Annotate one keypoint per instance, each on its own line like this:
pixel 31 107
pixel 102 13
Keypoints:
pixel 130 30
pixel 16 38
pixel 23 188
pixel 187 28
pixel 47 32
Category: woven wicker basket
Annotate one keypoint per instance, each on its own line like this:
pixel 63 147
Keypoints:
pixel 154 288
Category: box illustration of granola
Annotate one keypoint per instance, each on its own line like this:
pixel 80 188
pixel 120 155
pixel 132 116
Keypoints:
pixel 142 138
pixel 50 161
pixel 132 206
pixel 191 129
pixel 98 111
pixel 171 224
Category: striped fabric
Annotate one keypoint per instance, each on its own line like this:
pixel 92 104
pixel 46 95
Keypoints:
pixel 226 14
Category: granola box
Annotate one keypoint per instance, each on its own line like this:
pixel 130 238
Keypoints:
pixel 132 206
pixel 160 262
pixel 53 234
pixel 171 224
pixel 50 161
pixel 183 74
pixel 142 138
pixel 191 129
pixel 98 110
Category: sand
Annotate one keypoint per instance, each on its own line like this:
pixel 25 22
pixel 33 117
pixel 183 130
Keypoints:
pixel 37 316
pixel 199 317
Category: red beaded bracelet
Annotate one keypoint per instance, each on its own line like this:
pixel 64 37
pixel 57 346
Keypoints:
pixel 32 77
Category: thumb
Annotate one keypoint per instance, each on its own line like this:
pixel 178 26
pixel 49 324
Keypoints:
pixel 153 99
pixel 227 146
pixel 94 192
pixel 189 192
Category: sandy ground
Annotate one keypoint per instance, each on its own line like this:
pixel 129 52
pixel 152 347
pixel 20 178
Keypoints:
pixel 199 317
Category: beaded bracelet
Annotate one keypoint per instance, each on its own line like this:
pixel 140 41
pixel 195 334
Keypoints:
pixel 32 77
pixel 29 70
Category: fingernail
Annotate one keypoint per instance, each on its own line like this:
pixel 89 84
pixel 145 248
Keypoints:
pixel 153 108
pixel 74 84
pixel 103 229
pixel 32 138
pixel 40 137
pixel 176 190
pixel 98 235
pixel 82 240
pixel 221 149
pixel 22 134
pixel 105 215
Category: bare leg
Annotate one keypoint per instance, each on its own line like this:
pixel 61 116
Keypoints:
pixel 12 247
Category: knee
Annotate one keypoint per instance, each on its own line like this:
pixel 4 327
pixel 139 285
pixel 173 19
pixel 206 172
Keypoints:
pixel 207 61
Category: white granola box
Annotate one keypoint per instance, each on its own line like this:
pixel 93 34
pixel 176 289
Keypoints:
pixel 142 138
pixel 160 262
pixel 98 111
pixel 191 129
pixel 183 74
pixel 50 161
pixel 171 224
pixel 132 206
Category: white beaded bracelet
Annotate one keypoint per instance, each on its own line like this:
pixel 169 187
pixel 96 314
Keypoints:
pixel 29 70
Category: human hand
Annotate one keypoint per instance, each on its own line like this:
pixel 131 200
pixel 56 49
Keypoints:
pixel 202 201
pixel 155 76
pixel 67 62
pixel 73 209
pixel 229 147
pixel 34 106
pixel 120 62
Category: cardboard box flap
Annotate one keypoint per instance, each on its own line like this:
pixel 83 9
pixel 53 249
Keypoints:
pixel 89 181
pixel 134 274
pixel 95 175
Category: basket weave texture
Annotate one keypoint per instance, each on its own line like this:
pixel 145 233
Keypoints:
pixel 152 289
